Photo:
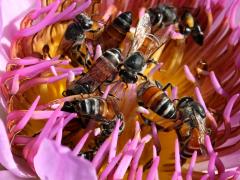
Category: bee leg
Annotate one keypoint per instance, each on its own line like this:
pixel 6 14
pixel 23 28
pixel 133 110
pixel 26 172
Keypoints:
pixel 167 86
pixel 107 127
pixel 122 126
pixel 182 161
pixel 109 94
pixel 143 76
pixel 110 80
pixel 89 155
pixel 126 86
pixel 114 96
pixel 158 84
pixel 146 122
pixel 170 128
pixel 100 90
pixel 151 61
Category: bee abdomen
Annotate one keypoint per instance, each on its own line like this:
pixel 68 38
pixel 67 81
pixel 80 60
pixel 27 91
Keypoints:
pixel 186 152
pixel 113 55
pixel 165 107
pixel 89 106
pixel 115 33
pixel 123 22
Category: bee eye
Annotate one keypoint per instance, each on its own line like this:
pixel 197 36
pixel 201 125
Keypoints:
pixel 87 25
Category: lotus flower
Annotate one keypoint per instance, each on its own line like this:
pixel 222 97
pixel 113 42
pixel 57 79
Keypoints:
pixel 32 126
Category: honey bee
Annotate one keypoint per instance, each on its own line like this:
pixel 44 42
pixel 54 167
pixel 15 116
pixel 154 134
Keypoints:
pixel 104 69
pixel 114 33
pixel 162 16
pixel 188 117
pixel 152 96
pixel 188 25
pixel 144 42
pixel 192 132
pixel 135 62
pixel 73 45
pixel 106 129
pixel 104 111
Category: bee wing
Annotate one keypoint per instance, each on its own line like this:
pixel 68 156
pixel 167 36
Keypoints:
pixel 159 42
pixel 142 30
pixel 201 127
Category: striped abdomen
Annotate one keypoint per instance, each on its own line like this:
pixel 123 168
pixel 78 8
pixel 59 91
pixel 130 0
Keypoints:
pixel 188 141
pixel 156 100
pixel 115 33
pixel 98 108
pixel 105 68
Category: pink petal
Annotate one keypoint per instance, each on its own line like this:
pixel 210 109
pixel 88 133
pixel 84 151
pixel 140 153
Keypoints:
pixel 15 84
pixel 110 166
pixel 126 160
pixel 101 153
pixel 189 74
pixel 4 174
pixel 6 157
pixel 98 52
pixel 113 145
pixel 114 162
pixel 216 84
pixel 135 161
pixel 106 92
pixel 154 69
pixel 174 93
pixel 227 175
pixel 192 164
pixel 178 172
pixel 53 161
pixel 139 173
pixel 81 143
pixel 10 20
pixel 154 169
pixel 211 165
pixel 156 139
pixel 142 110
pixel 22 123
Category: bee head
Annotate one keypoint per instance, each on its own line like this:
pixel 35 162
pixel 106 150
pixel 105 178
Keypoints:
pixel 184 102
pixel 127 77
pixel 135 62
pixel 169 14
pixel 188 102
pixel 84 21
pixel 74 33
